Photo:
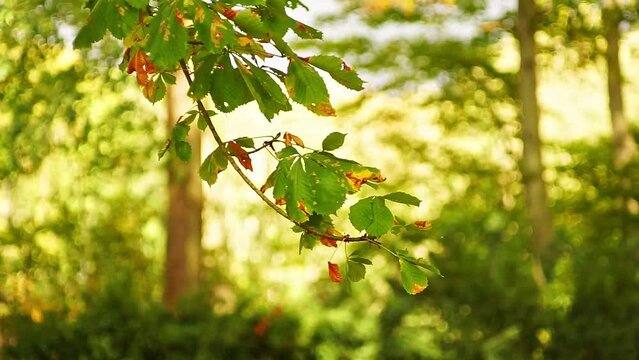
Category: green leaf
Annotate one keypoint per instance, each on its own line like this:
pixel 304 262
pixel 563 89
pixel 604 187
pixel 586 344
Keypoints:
pixel 180 131
pixel 348 170
pixel 307 241
pixel 328 190
pixel 115 15
pixel 403 198
pixel 245 142
pixel 298 192
pixel 356 271
pixel 338 70
pixel 168 78
pixel 251 23
pixel 268 94
pixel 168 38
pixel 214 32
pixel 201 84
pixel 209 170
pixel 360 260
pixel 333 141
pixel 201 123
pixel 305 31
pixel 372 215
pixel 228 89
pixel 414 280
pixel 215 163
pixel 138 4
pixel 280 182
pixel 183 150
pixel 220 158
pixel 306 86
pixel 286 152
pixel 95 27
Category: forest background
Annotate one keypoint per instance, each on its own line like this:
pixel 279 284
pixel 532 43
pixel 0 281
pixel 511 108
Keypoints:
pixel 538 254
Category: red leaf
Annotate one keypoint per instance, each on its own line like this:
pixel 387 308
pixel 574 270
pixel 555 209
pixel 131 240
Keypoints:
pixel 142 65
pixel 229 13
pixel 328 242
pixel 241 155
pixel 345 66
pixel 333 272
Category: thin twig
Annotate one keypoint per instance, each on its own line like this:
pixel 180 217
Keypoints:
pixel 271 204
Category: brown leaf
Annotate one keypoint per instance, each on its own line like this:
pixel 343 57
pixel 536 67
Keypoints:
pixel 333 272
pixel 423 224
pixel 149 89
pixel 290 138
pixel 417 289
pixel 242 155
pixel 357 179
pixel 328 242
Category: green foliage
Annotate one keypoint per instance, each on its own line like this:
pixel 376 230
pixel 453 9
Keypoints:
pixel 224 45
pixel 118 321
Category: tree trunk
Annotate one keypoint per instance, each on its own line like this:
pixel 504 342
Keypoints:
pixel 624 146
pixel 531 165
pixel 184 223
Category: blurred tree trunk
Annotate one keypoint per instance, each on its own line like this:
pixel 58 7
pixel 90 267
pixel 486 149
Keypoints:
pixel 531 165
pixel 624 146
pixel 184 223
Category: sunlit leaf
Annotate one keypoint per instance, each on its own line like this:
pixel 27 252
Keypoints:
pixel 414 280
pixel 403 198
pixel 333 272
pixel 338 70
pixel 333 141
pixel 372 215
pixel 306 86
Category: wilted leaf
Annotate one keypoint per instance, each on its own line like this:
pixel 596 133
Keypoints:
pixel 333 272
pixel 288 138
pixel 359 177
pixel 241 154
pixel 423 224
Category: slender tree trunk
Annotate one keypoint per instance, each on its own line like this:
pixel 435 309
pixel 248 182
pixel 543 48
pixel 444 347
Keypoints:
pixel 184 223
pixel 624 146
pixel 531 165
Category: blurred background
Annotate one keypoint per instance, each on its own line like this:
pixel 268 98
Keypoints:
pixel 108 253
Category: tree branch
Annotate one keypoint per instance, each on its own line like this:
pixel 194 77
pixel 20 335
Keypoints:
pixel 271 204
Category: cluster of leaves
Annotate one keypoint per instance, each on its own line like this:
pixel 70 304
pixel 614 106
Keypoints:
pixel 230 46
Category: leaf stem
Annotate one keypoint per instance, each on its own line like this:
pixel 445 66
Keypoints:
pixel 209 123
